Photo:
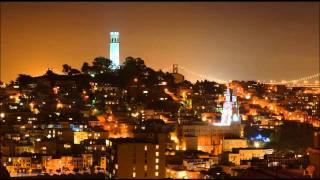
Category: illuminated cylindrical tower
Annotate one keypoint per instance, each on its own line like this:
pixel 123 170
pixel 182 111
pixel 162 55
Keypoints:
pixel 114 48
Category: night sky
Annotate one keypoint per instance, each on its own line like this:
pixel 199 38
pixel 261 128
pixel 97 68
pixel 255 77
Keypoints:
pixel 240 41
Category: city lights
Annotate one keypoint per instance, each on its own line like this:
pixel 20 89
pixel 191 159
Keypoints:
pixel 256 144
pixel 179 100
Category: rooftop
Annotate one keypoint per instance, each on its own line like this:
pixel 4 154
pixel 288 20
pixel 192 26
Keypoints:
pixel 130 140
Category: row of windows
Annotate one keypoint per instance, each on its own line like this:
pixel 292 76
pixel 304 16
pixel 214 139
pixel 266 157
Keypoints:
pixel 114 40
pixel 145 174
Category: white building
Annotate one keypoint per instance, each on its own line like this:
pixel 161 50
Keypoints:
pixel 114 48
pixel 247 154
pixel 230 112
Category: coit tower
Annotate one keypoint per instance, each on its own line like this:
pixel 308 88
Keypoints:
pixel 114 48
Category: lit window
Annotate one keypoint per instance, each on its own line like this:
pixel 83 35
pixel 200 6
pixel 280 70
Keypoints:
pixel 157 153
pixel 134 174
pixel 157 167
pixel 145 148
pixel 157 160
pixel 116 166
pixel 156 173
pixel 145 167
pixel 157 146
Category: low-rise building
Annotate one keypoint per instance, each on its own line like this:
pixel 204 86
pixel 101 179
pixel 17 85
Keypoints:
pixel 239 154
pixel 229 144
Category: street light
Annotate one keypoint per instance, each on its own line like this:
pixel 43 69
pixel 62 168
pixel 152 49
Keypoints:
pixel 2 115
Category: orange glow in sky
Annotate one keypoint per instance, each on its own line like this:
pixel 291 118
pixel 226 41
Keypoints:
pixel 222 40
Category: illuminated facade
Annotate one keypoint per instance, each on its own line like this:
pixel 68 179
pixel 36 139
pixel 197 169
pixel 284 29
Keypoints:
pixel 229 144
pixel 230 112
pixel 208 138
pixel 247 154
pixel 114 48
pixel 135 158
pixel 175 173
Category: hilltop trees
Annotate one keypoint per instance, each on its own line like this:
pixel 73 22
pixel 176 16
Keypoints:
pixel 101 64
pixel 133 72
pixel 23 80
pixel 132 68
pixel 292 136
pixel 66 68
pixel 209 87
pixel 85 67
pixel 74 72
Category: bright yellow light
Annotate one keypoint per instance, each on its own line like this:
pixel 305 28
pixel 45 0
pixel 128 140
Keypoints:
pixel 67 146
pixel 248 96
pixel 182 175
pixel 55 90
pixel 173 137
pixel 204 118
pixel 256 144
pixel 59 105
pixel 31 105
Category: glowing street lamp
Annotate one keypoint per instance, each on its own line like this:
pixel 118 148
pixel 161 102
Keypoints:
pixel 256 144
pixel 248 96
pixel 59 105
pixel 31 105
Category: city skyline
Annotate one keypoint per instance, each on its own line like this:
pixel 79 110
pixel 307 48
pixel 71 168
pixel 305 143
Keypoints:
pixel 239 41
pixel 191 90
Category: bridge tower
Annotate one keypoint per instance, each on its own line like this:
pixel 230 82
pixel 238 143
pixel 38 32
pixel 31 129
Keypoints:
pixel 175 68
pixel 178 78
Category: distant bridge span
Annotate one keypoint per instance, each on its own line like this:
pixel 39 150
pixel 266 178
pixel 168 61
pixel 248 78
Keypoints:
pixel 299 82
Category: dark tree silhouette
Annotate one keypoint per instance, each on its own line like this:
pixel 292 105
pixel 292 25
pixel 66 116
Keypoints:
pixel 74 72
pixel 101 64
pixel 66 68
pixel 23 80
pixel 85 67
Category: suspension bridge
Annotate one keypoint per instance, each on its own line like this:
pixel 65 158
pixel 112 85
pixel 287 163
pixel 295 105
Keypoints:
pixel 311 81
